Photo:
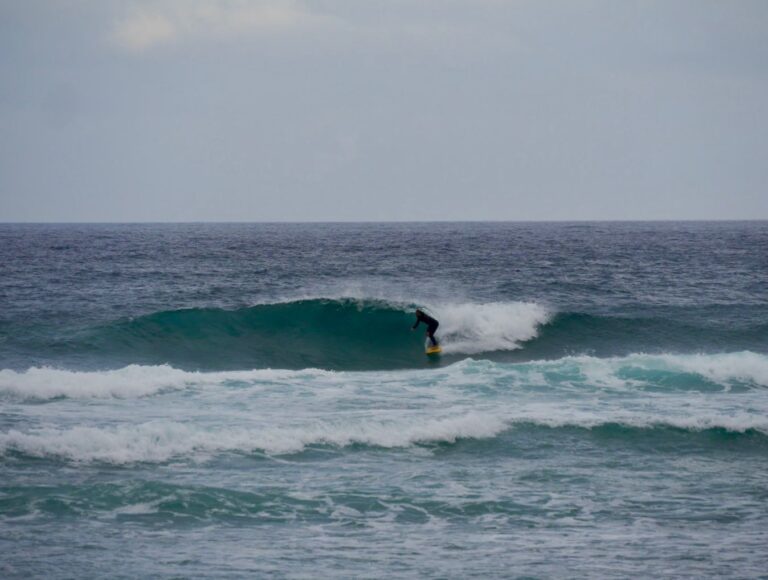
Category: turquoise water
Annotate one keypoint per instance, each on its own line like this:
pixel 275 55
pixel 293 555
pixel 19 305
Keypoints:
pixel 249 400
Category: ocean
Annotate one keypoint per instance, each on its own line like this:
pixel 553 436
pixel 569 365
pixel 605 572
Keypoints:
pixel 248 400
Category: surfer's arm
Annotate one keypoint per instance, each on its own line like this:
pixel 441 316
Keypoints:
pixel 415 324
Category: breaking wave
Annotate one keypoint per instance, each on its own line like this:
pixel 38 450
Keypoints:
pixel 347 334
pixel 163 441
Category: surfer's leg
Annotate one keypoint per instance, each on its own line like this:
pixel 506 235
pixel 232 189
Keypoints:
pixel 431 333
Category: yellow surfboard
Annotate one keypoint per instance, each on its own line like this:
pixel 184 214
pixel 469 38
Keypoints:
pixel 434 349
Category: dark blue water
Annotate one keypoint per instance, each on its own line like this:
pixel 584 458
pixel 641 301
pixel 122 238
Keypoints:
pixel 249 399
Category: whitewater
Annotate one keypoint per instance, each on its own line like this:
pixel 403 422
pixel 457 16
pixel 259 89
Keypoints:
pixel 285 412
pixel 249 400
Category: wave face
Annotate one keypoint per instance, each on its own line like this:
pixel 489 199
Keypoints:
pixel 344 334
pixel 374 334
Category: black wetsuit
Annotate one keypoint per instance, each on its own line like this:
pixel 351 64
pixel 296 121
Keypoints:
pixel 431 323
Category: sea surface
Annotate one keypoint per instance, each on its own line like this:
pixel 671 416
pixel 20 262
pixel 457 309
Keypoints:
pixel 248 400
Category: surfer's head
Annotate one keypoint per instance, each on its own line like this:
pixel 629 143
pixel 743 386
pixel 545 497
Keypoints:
pixel 419 311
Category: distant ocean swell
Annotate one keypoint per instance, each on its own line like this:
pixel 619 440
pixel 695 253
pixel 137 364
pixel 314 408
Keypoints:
pixel 364 334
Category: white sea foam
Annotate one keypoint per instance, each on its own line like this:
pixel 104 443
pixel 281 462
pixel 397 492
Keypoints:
pixel 131 381
pixel 128 382
pixel 720 368
pixel 679 417
pixel 282 412
pixel 576 372
pixel 162 441
pixel 472 328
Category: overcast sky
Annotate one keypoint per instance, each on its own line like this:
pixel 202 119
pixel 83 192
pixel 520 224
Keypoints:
pixel 235 110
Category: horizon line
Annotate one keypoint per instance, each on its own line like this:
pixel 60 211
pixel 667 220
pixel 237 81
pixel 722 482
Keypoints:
pixel 446 221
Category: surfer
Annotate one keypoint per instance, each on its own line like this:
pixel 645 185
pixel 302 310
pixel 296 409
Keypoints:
pixel 431 323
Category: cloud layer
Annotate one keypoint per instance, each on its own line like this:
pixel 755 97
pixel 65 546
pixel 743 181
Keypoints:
pixel 192 110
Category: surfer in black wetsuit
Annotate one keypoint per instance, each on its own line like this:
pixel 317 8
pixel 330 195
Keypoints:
pixel 431 323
